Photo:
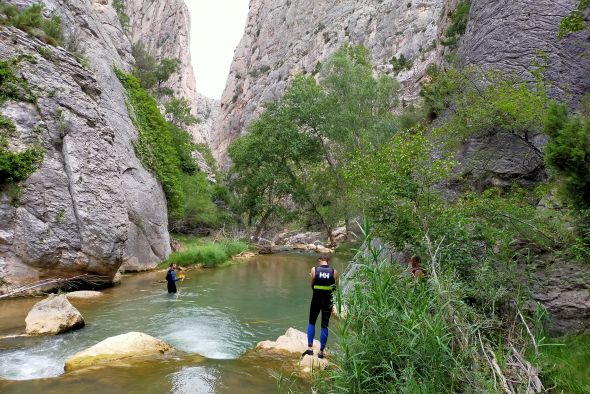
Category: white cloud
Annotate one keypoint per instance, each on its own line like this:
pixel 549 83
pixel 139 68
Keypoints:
pixel 217 26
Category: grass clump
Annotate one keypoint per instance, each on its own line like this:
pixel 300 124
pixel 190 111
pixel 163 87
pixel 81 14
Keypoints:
pixel 32 21
pixel 209 254
pixel 566 363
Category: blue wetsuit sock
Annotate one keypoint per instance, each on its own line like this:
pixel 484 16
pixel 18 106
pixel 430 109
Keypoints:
pixel 310 334
pixel 323 338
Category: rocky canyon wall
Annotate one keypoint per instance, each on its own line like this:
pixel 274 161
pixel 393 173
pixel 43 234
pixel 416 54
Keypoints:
pixel 286 37
pixel 91 206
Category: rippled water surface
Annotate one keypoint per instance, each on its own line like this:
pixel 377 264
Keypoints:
pixel 218 314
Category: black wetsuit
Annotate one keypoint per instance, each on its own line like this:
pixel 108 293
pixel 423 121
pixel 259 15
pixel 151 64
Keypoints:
pixel 171 279
pixel 321 301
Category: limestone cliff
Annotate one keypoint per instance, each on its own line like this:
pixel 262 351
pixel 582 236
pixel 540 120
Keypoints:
pixel 91 206
pixel 286 37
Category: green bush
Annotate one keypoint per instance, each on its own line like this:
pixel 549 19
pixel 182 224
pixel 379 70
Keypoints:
pixel 13 87
pixel 150 73
pixel 166 150
pixel 31 20
pixel 575 20
pixel 17 166
pixel 209 254
pixel 459 18
pixel 121 9
pixel 565 364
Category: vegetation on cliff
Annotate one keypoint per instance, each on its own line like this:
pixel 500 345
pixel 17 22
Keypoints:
pixel 166 150
pixel 32 21
pixel 15 166
pixel 333 158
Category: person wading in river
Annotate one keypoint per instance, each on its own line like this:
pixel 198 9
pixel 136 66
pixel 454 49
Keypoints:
pixel 324 280
pixel 171 278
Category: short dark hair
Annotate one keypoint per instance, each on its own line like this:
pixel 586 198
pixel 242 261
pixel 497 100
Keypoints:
pixel 171 264
pixel 325 258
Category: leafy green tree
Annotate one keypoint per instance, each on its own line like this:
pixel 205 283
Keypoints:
pixel 151 73
pixel 575 20
pixel 179 110
pixel 346 111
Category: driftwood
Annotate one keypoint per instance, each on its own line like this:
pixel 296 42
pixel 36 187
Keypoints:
pixel 71 283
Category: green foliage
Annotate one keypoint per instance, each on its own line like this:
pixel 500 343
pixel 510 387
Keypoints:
pixel 401 63
pixel 208 254
pixel 17 166
pixel 565 364
pixel 31 21
pixel 13 87
pixel 459 18
pixel 121 9
pixel 488 102
pixel 568 153
pixel 575 20
pixel 395 337
pixel 166 150
pixel 151 73
pixel 298 147
pixel 439 91
pixel 179 111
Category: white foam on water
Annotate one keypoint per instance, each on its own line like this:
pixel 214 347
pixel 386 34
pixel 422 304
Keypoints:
pixel 194 380
pixel 42 361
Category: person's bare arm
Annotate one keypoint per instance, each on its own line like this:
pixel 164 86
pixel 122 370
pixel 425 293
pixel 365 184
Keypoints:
pixel 312 276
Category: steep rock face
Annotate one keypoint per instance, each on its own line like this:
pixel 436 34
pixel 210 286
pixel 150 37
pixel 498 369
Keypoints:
pixel 91 206
pixel 512 36
pixel 509 34
pixel 283 38
pixel 164 27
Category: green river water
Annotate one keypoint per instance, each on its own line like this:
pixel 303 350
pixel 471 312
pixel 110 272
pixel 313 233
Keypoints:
pixel 219 314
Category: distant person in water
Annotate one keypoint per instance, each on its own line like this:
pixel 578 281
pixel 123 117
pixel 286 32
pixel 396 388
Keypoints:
pixel 324 280
pixel 416 270
pixel 171 278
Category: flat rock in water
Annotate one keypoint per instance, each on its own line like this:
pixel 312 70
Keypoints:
pixel 294 341
pixel 53 315
pixel 117 348
pixel 83 294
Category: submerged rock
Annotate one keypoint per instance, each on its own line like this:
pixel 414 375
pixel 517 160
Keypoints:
pixel 120 347
pixel 53 315
pixel 83 294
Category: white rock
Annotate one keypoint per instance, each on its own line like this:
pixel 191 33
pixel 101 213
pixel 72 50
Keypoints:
pixel 294 341
pixel 53 315
pixel 82 294
pixel 120 347
pixel 309 364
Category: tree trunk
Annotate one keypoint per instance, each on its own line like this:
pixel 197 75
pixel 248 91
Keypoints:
pixel 260 225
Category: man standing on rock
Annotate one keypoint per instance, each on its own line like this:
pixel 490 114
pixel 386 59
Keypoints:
pixel 171 278
pixel 324 280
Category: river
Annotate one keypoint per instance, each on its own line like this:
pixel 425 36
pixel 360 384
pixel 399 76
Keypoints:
pixel 219 314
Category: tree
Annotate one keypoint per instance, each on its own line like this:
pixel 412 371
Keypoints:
pixel 179 111
pixel 151 73
pixel 345 112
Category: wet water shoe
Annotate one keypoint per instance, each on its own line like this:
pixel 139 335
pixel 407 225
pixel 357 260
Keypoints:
pixel 308 352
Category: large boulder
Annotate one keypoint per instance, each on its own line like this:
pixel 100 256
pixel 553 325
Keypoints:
pixel 294 341
pixel 53 315
pixel 117 348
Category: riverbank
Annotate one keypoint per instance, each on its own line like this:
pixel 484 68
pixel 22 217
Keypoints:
pixel 205 252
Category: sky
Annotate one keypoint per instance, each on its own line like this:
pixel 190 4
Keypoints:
pixel 216 29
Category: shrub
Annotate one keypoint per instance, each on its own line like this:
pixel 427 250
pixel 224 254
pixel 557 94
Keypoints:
pixel 459 18
pixel 209 255
pixel 13 87
pixel 151 73
pixel 31 20
pixel 121 9
pixel 17 166
pixel 575 20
